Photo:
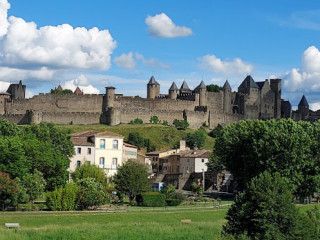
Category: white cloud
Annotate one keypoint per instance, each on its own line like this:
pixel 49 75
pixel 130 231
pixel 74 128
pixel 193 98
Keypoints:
pixel 307 77
pixel 303 19
pixel 315 106
pixel 4 7
pixel 4 86
pixel 162 26
pixel 125 61
pixel 24 45
pixel 14 74
pixel 152 62
pixel 237 66
pixel 82 82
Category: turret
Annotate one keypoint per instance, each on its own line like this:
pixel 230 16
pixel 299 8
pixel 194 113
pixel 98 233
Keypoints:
pixel 303 108
pixel 17 91
pixel 109 98
pixel 203 94
pixel 226 97
pixel 185 88
pixel 153 88
pixel 275 85
pixel 173 91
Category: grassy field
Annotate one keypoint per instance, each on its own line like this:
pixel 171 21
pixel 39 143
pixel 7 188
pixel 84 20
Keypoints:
pixel 164 225
pixel 162 137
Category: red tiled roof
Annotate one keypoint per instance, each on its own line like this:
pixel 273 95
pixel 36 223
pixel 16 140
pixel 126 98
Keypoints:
pixel 81 141
pixel 197 154
pixel 129 145
pixel 84 134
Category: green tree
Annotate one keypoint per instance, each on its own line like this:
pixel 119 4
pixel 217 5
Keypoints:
pixel 136 139
pixel 248 148
pixel 266 210
pixel 12 157
pixel 154 119
pixel 132 179
pixel 91 193
pixel 90 171
pixel 196 139
pixel 213 88
pixel 8 129
pixel 34 184
pixel 8 191
pixel 180 124
pixel 196 189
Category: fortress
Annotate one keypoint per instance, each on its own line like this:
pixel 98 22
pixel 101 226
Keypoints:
pixel 253 100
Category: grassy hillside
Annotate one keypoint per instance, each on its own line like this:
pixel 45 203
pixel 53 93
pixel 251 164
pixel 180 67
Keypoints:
pixel 161 136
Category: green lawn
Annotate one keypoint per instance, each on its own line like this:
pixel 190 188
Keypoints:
pixel 162 225
pixel 161 136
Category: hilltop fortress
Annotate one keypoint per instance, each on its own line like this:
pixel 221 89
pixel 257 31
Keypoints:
pixel 253 100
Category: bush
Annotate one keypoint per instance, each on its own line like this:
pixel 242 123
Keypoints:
pixel 53 200
pixel 196 139
pixel 69 199
pixel 180 124
pixel 196 189
pixel 136 121
pixel 165 123
pixel 154 119
pixel 153 199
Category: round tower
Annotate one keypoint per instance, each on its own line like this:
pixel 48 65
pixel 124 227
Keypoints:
pixel 173 91
pixel 226 97
pixel 203 94
pixel 109 98
pixel 153 88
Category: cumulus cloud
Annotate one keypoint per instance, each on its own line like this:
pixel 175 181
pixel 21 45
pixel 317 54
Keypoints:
pixel 307 76
pixel 237 66
pixel 315 106
pixel 4 86
pixel 4 7
pixel 12 74
pixel 152 62
pixel 126 61
pixel 82 82
pixel 23 44
pixel 162 26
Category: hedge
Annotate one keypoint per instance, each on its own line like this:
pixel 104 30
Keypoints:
pixel 153 199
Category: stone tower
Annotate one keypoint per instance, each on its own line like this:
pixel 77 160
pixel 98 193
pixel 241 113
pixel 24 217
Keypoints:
pixel 153 88
pixel 226 97
pixel 303 108
pixel 109 98
pixel 17 91
pixel 275 85
pixel 185 88
pixel 203 94
pixel 173 91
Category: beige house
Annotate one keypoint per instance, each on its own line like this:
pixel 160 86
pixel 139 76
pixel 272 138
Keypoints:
pixel 194 162
pixel 104 149
pixel 129 152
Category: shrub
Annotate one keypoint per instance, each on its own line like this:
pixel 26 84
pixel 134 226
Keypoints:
pixel 69 199
pixel 136 121
pixel 196 139
pixel 53 200
pixel 175 199
pixel 180 124
pixel 165 123
pixel 9 191
pixel 153 199
pixel 196 189
pixel 154 119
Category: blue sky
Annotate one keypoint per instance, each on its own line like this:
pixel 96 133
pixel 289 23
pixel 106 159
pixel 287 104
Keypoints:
pixel 122 43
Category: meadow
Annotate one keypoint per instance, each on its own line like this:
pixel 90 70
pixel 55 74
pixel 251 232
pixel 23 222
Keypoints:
pixel 92 225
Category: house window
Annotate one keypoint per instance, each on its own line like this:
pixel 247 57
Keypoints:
pixel 202 160
pixel 78 163
pixel 114 161
pixel 89 151
pixel 102 143
pixel 101 162
pixel 78 150
pixel 115 144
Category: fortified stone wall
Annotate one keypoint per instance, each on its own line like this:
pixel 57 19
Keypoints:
pixel 21 119
pixel 216 118
pixel 196 119
pixel 74 117
pixel 215 101
pixel 56 103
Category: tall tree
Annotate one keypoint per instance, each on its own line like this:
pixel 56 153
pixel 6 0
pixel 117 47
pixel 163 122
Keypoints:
pixel 248 148
pixel 132 179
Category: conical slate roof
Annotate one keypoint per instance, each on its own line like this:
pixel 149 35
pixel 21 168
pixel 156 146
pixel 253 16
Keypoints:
pixel 303 102
pixel 202 85
pixel 78 91
pixel 226 86
pixel 153 81
pixel 185 86
pixel 59 87
pixel 173 87
pixel 248 82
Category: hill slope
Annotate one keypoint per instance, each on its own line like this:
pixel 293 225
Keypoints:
pixel 161 136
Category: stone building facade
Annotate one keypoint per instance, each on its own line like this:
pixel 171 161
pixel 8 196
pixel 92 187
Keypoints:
pixel 253 100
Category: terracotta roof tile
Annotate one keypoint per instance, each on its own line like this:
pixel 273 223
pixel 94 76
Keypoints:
pixel 81 141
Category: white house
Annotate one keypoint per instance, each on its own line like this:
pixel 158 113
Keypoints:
pixel 104 149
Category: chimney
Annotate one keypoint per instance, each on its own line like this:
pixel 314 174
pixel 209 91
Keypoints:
pixel 182 145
